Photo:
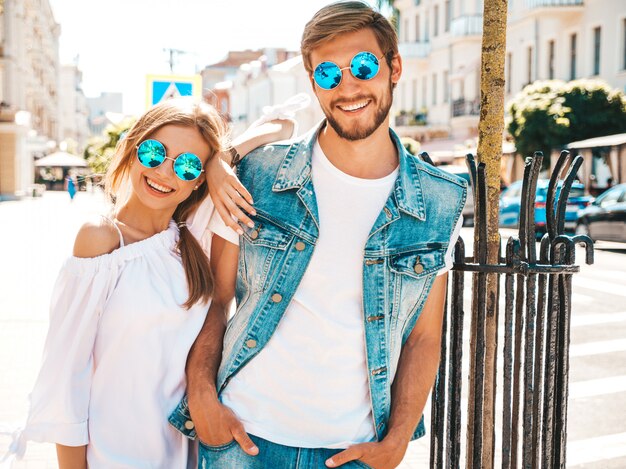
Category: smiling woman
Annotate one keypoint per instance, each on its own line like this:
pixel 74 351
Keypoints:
pixel 129 303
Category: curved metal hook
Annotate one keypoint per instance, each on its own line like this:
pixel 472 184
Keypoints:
pixel 588 242
pixel 564 194
pixel 459 251
pixel 527 210
pixel 544 248
pixel 570 249
pixel 513 249
pixel 426 157
pixel 551 196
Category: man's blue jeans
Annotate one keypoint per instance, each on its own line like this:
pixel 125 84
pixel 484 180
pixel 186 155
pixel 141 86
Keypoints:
pixel 271 456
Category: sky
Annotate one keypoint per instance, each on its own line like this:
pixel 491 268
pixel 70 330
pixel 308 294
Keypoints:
pixel 116 43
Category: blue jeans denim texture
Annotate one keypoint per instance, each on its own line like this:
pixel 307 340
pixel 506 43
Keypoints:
pixel 271 456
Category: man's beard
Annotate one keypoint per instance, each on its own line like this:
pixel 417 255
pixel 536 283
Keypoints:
pixel 359 133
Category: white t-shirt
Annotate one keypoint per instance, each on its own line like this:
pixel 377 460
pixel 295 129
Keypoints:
pixel 308 387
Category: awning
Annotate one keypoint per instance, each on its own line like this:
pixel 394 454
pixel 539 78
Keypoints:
pixel 61 159
pixel 606 141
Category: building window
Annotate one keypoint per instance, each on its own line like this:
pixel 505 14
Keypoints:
pixel 448 16
pixel 427 27
pixel 415 106
pixel 424 92
pixel 446 87
pixel 596 50
pixel 417 28
pixel 551 60
pixel 417 2
pixel 572 57
pixel 529 65
pixel 436 19
pixel 434 89
pixel 509 73
pixel 406 30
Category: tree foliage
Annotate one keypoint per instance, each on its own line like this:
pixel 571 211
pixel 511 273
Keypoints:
pixel 100 149
pixel 548 115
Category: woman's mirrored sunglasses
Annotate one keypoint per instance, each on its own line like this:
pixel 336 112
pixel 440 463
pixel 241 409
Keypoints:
pixel 151 153
pixel 363 66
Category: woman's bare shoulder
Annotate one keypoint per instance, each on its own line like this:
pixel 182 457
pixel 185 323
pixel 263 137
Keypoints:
pixel 96 237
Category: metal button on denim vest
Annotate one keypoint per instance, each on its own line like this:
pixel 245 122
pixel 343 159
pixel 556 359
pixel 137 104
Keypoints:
pixel 404 251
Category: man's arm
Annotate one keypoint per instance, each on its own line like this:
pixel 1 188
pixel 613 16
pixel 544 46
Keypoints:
pixel 215 424
pixel 414 379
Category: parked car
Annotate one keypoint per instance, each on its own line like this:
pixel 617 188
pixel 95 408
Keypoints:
pixel 511 200
pixel 605 218
pixel 468 209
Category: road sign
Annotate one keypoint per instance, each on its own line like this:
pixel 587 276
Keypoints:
pixel 160 87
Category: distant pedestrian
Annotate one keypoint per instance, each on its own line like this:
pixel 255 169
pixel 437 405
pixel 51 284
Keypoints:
pixel 71 185
pixel 129 303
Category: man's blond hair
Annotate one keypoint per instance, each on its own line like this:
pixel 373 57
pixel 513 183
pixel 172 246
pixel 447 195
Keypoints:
pixel 347 17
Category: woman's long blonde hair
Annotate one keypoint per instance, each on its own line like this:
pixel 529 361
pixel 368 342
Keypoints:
pixel 186 112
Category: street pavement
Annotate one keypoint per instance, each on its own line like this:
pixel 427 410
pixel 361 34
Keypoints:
pixel 38 235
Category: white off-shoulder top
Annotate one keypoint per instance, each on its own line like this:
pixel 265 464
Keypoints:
pixel 114 359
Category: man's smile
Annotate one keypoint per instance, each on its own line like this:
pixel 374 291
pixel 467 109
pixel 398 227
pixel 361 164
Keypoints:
pixel 353 107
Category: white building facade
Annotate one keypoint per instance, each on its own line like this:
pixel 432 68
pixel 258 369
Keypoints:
pixel 440 42
pixel 256 85
pixel 74 110
pixel 29 84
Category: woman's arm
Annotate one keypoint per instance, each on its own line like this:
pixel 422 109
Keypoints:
pixel 72 457
pixel 227 192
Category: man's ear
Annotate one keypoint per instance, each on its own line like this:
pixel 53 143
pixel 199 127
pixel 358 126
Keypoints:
pixel 396 68
pixel 312 81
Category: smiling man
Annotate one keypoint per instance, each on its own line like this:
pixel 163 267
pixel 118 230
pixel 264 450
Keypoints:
pixel 340 286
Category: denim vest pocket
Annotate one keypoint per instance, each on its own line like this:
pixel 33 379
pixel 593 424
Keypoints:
pixel 417 264
pixel 410 271
pixel 267 234
pixel 259 247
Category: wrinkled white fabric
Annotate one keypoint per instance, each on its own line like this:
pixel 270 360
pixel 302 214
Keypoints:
pixel 286 110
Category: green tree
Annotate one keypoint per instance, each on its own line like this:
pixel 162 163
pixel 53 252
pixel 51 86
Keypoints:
pixel 100 149
pixel 548 115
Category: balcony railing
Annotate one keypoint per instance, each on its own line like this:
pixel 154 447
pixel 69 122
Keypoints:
pixel 553 3
pixel 414 50
pixel 468 25
pixel 461 107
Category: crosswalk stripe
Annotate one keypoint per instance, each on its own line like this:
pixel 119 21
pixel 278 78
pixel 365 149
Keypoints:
pixel 600 448
pixel 597 387
pixel 614 275
pixel 597 348
pixel 597 318
pixel 601 286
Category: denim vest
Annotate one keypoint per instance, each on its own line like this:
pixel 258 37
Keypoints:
pixel 404 251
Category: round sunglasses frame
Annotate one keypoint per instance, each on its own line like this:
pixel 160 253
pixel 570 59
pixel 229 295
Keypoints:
pixel 175 161
pixel 341 69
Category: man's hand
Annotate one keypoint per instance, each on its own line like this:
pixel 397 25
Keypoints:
pixel 217 425
pixel 383 455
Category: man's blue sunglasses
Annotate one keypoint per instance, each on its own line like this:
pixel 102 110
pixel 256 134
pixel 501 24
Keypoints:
pixel 363 66
pixel 187 166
